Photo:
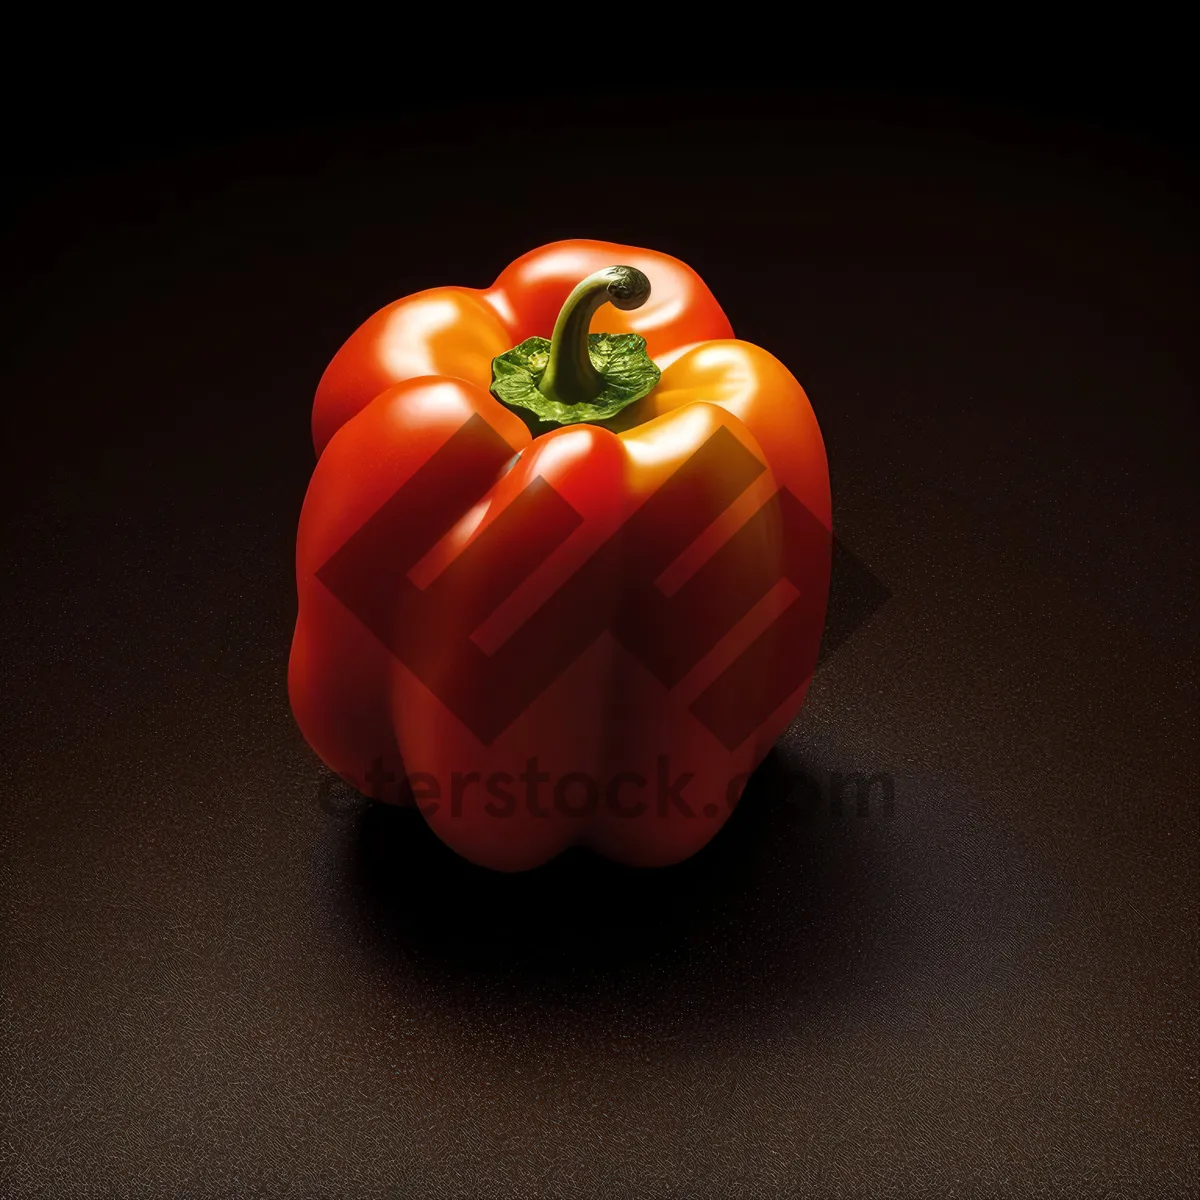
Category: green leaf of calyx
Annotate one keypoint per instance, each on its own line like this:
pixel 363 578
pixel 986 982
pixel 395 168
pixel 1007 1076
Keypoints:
pixel 620 358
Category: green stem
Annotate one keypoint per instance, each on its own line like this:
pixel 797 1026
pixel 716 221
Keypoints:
pixel 569 377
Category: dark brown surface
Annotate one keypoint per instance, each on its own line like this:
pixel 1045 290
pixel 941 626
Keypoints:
pixel 221 980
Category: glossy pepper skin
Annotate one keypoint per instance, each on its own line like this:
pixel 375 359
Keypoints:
pixel 404 384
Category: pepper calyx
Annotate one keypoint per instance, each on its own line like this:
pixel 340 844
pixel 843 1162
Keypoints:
pixel 627 373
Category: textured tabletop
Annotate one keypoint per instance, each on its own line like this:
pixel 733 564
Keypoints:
pixel 225 977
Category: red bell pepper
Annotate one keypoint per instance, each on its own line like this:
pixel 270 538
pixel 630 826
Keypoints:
pixel 567 587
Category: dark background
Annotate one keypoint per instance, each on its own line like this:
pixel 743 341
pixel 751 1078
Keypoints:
pixel 224 978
